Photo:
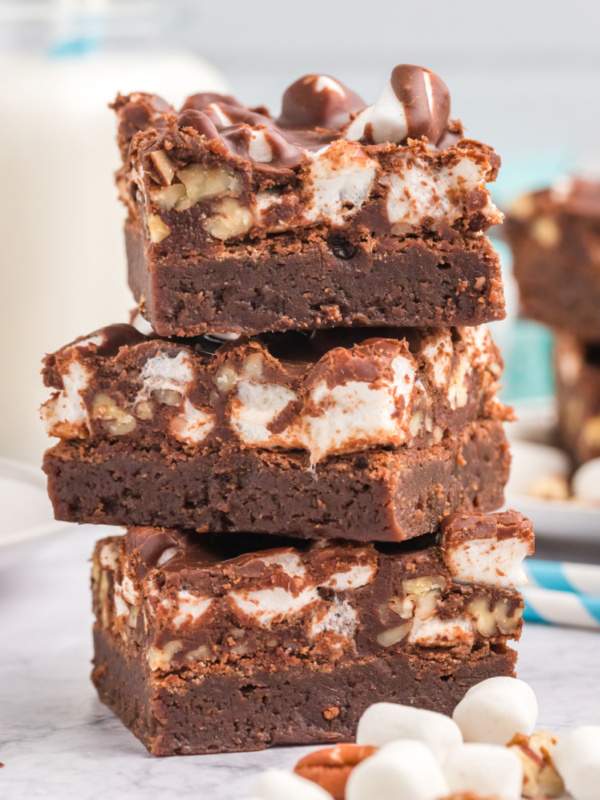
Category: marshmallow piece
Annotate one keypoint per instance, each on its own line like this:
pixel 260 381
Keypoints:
pixel 414 103
pixel 387 722
pixel 577 759
pixel 487 548
pixel 494 710
pixel 485 769
pixel 405 770
pixel 275 784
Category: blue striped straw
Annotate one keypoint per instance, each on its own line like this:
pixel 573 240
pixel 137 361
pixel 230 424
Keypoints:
pixel 562 593
pixel 563 576
pixel 561 608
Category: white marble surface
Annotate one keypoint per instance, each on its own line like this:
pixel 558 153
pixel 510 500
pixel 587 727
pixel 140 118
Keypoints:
pixel 58 741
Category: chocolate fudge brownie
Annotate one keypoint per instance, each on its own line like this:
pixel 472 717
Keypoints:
pixel 333 214
pixel 577 373
pixel 251 643
pixel 555 239
pixel 332 392
pixel 378 495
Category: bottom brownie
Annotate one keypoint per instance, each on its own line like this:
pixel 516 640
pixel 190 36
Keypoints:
pixel 203 645
pixel 235 708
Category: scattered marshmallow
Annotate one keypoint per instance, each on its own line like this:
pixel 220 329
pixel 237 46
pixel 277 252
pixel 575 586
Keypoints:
pixel 586 481
pixel 485 769
pixel 388 722
pixel 577 759
pixel 277 784
pixel 404 770
pixel 496 709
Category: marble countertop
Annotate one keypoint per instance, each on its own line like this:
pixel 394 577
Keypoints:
pixel 58 741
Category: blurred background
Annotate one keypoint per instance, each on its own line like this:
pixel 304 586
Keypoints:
pixel 524 77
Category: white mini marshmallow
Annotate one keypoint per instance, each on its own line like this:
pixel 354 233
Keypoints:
pixel 405 770
pixel 387 118
pixel 494 710
pixel 387 722
pixel 277 784
pixel 485 769
pixel 577 760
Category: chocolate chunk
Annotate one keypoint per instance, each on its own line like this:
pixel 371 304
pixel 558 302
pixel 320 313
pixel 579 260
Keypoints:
pixel 425 98
pixel 318 101
pixel 200 122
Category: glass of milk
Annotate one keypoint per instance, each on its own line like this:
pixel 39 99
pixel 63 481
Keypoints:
pixel 63 262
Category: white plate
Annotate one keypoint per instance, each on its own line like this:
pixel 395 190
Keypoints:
pixel 26 509
pixel 533 459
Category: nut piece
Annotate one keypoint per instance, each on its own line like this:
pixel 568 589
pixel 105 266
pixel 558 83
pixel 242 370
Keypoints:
pixel 116 421
pixel 158 229
pixel 414 425
pixel 591 432
pixel 144 409
pixel 331 767
pixel 226 378
pixel 163 165
pixel 163 659
pixel 551 487
pixel 489 621
pixel 253 367
pixel 230 219
pixel 540 778
pixel 170 196
pixel 168 397
pixel 545 231
pixel 393 635
pixel 202 183
pixel 420 596
pixel 523 207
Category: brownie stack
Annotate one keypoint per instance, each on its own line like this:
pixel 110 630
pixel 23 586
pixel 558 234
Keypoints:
pixel 555 237
pixel 306 445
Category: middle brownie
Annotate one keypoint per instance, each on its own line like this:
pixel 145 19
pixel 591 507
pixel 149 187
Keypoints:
pixel 373 440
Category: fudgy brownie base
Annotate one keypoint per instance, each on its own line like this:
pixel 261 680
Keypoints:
pixel 371 496
pixel 241 709
pixel 288 284
pixel 577 374
pixel 555 238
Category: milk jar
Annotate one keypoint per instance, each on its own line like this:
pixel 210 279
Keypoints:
pixel 63 262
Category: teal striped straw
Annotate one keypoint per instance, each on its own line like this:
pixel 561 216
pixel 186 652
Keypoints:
pixel 562 593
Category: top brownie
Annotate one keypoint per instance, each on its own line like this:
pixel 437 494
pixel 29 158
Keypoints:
pixel 555 237
pixel 334 213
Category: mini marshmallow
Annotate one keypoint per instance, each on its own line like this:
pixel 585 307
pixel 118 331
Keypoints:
pixel 405 770
pixel 577 759
pixel 275 784
pixel 494 710
pixel 485 769
pixel 387 722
